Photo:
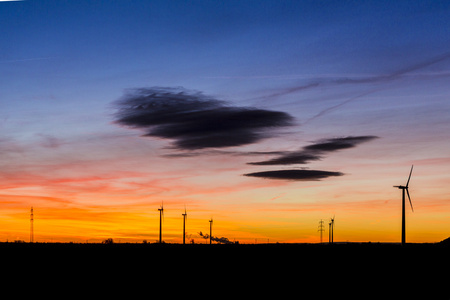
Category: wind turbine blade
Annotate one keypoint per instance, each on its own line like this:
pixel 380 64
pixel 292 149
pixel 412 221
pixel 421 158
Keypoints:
pixel 409 198
pixel 409 176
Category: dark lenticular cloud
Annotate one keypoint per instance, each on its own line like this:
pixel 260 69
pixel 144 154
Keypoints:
pixel 316 150
pixel 289 158
pixel 194 120
pixel 329 145
pixel 296 175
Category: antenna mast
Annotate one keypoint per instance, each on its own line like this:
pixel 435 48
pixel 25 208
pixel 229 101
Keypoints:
pixel 31 226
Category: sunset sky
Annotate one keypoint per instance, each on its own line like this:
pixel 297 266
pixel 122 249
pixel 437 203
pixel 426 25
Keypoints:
pixel 266 116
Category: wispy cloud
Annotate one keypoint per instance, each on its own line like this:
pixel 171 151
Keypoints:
pixel 24 59
pixel 49 141
pixel 336 80
pixel 194 120
pixel 347 80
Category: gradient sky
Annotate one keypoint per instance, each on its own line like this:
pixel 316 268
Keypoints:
pixel 338 68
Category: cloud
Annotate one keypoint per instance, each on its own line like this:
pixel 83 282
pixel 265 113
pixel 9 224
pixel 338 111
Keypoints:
pixel 316 151
pixel 194 120
pixel 184 154
pixel 325 81
pixel 336 106
pixel 290 158
pixel 345 80
pixel 334 144
pixel 49 141
pixel 295 175
pixel 23 59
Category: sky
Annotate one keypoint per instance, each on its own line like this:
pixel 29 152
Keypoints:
pixel 266 116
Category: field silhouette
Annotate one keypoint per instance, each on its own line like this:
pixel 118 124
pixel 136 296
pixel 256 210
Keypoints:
pixel 353 270
pixel 342 254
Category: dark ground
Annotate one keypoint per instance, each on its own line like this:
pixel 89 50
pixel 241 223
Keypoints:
pixel 349 255
pixel 388 271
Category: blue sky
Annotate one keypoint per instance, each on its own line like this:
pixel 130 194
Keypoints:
pixel 340 68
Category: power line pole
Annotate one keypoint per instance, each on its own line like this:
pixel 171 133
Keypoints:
pixel 321 230
pixel 31 226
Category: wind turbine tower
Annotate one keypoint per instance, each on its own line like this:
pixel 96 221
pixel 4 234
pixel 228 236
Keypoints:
pixel 31 226
pixel 405 188
pixel 184 225
pixel 329 233
pixel 210 231
pixel 161 215
pixel 332 230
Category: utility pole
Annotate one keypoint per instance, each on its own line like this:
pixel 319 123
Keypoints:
pixel 210 231
pixel 321 230
pixel 31 226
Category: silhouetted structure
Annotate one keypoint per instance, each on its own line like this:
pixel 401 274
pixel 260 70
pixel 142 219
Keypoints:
pixel 161 215
pixel 184 225
pixel 31 226
pixel 405 188
pixel 329 233
pixel 332 230
pixel 109 241
pixel 210 231
pixel 321 230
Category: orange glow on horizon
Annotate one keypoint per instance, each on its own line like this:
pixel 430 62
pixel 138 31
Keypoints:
pixel 100 198
pixel 284 223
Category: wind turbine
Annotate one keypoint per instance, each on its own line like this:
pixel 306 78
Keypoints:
pixel 329 233
pixel 161 216
pixel 210 231
pixel 332 229
pixel 184 225
pixel 405 188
